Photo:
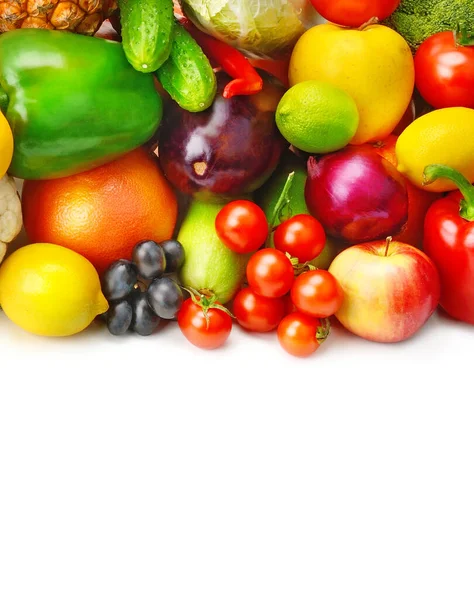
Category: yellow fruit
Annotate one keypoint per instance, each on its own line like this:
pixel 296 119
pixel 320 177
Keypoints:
pixel 442 137
pixel 6 145
pixel 317 117
pixel 373 65
pixel 50 290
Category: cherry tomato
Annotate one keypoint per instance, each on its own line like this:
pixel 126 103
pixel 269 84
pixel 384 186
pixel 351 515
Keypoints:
pixel 301 335
pixel 354 13
pixel 242 226
pixel 302 236
pixel 257 313
pixel 289 306
pixel 270 273
pixel 207 333
pixel 444 71
pixel 317 293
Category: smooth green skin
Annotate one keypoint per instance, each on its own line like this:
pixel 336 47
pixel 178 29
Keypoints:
pixel 187 75
pixel 209 265
pixel 74 102
pixel 146 29
pixel 317 117
pixel 268 195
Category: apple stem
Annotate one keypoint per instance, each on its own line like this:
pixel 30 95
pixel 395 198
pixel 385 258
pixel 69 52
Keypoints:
pixel 371 21
pixel 387 244
pixel 466 206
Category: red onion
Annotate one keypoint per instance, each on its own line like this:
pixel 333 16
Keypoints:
pixel 357 195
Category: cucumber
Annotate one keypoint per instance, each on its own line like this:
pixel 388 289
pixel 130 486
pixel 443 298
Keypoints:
pixel 187 75
pixel 147 27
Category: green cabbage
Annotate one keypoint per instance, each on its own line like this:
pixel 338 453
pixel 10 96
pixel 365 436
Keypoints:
pixel 261 28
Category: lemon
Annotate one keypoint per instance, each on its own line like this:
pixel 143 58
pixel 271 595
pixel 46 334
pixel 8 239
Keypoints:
pixel 50 290
pixel 317 117
pixel 6 145
pixel 444 136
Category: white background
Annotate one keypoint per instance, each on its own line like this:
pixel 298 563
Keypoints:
pixel 143 468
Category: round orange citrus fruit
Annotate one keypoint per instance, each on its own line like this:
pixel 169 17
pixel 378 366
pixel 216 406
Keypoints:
pixel 104 212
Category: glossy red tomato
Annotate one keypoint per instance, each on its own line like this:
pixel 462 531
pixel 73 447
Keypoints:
pixel 317 293
pixel 354 13
pixel 257 313
pixel 206 328
pixel 289 306
pixel 270 273
pixel 302 236
pixel 242 226
pixel 444 71
pixel 301 335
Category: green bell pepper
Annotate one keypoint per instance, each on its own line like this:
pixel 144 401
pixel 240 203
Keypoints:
pixel 73 102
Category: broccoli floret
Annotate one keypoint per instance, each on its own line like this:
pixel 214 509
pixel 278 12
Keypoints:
pixel 415 20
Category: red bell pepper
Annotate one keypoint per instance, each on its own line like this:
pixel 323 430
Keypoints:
pixel 449 242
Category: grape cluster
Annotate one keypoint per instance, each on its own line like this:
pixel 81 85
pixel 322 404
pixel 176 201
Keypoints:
pixel 142 291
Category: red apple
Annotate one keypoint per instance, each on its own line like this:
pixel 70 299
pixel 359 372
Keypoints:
pixel 390 289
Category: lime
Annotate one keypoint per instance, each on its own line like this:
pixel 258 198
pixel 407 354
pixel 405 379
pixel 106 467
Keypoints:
pixel 50 290
pixel 317 117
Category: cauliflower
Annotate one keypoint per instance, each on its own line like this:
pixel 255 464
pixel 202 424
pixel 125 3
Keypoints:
pixel 416 20
pixel 11 220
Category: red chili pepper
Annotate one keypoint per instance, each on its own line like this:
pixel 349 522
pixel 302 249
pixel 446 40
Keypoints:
pixel 246 80
pixel 449 242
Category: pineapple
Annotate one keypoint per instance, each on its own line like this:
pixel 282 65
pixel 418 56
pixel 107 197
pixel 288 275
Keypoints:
pixel 81 16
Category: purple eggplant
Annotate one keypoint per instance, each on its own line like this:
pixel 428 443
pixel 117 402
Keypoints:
pixel 227 150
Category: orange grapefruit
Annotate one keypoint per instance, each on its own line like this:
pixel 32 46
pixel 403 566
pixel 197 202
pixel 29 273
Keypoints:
pixel 104 212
